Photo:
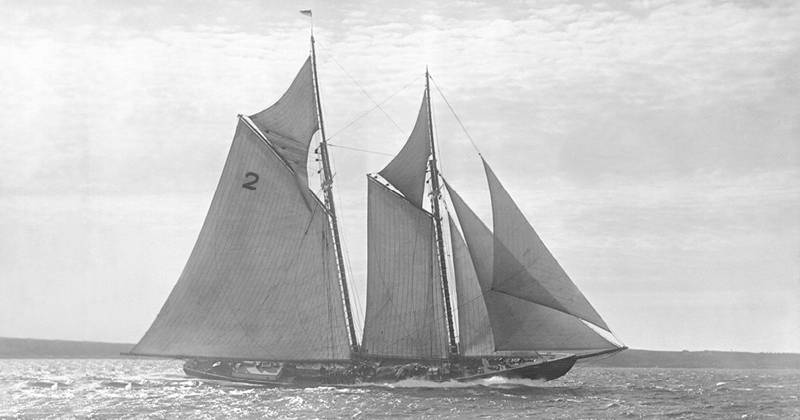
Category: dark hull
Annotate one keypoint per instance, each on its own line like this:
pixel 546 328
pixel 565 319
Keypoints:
pixel 540 370
pixel 547 370
pixel 205 374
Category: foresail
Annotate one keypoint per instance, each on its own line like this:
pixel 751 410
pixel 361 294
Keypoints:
pixel 526 326
pixel 478 237
pixel 475 332
pixel 516 324
pixel 406 171
pixel 524 267
pixel 404 314
pixel 261 282
pixel 290 123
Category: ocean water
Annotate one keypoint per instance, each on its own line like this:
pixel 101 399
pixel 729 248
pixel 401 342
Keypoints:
pixel 106 388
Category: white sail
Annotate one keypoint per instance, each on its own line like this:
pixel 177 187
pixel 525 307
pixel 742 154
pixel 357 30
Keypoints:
pixel 406 171
pixel 404 315
pixel 479 239
pixel 290 123
pixel 516 324
pixel 527 326
pixel 475 332
pixel 523 266
pixel 261 282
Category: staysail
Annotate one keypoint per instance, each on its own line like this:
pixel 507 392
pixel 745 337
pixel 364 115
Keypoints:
pixel 523 265
pixel 261 282
pixel 517 325
pixel 404 314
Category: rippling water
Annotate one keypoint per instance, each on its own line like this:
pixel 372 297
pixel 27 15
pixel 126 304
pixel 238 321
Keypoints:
pixel 159 389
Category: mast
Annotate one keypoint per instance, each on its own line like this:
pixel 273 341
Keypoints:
pixel 327 187
pixel 437 220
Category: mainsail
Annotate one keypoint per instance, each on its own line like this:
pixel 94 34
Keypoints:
pixel 261 282
pixel 404 296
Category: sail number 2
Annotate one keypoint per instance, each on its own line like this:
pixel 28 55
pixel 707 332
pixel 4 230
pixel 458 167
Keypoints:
pixel 252 178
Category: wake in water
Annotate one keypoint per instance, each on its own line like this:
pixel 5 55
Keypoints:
pixel 158 389
pixel 491 382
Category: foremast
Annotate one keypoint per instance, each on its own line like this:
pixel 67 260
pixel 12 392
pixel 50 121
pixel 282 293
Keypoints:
pixel 327 188
pixel 435 196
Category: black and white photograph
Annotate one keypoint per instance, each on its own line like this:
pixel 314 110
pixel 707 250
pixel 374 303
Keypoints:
pixel 451 209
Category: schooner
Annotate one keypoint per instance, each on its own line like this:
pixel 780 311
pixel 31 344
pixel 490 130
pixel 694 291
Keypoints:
pixel 264 295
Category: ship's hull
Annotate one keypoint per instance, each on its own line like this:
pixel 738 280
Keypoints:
pixel 286 381
pixel 537 370
pixel 546 370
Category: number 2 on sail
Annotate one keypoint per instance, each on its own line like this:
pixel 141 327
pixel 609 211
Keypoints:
pixel 250 185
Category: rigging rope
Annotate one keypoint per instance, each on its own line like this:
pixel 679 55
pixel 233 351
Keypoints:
pixel 452 295
pixel 377 105
pixel 355 82
pixel 359 150
pixel 357 318
pixel 354 292
pixel 471 140
pixel 436 139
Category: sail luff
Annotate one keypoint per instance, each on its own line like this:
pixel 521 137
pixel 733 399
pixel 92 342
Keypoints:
pixel 437 220
pixel 327 187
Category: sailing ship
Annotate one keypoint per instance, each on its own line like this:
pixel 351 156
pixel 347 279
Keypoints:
pixel 264 296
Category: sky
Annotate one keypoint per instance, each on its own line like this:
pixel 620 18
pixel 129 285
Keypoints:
pixel 654 145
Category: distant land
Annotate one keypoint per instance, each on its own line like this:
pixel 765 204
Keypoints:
pixel 698 359
pixel 32 348
pixel 29 348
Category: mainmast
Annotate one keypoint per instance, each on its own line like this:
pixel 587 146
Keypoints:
pixel 327 188
pixel 437 220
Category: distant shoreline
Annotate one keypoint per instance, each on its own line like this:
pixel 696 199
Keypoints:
pixel 30 348
pixel 34 348
pixel 635 358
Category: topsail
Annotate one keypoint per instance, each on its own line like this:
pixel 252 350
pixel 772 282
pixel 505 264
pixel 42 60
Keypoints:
pixel 406 171
pixel 290 123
